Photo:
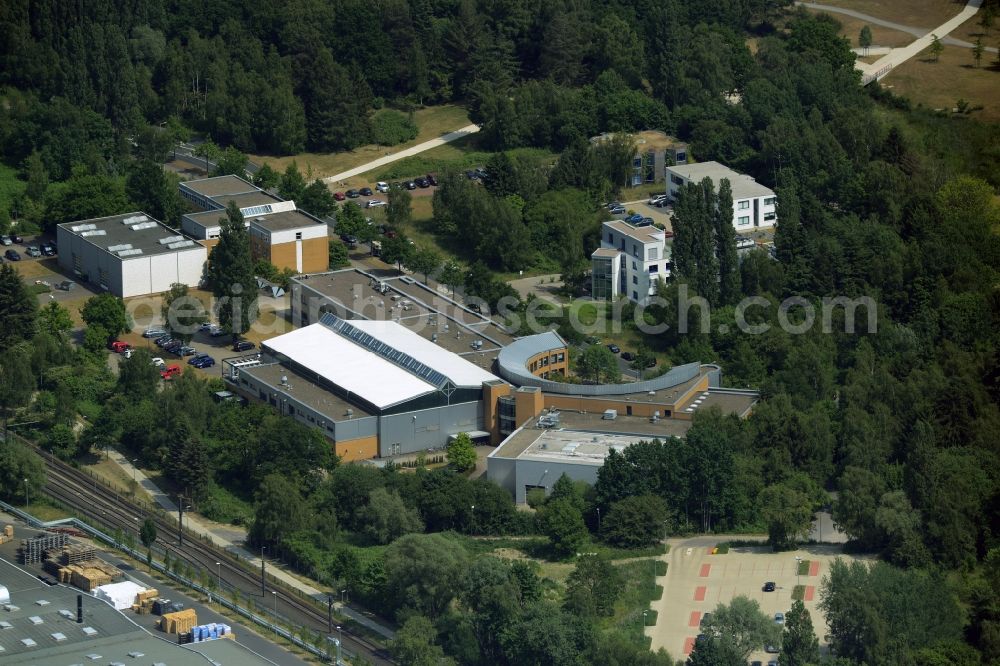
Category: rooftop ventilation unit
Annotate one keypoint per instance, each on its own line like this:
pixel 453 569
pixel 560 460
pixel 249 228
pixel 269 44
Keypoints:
pixel 94 232
pixel 170 239
pixel 179 244
pixel 83 227
pixel 119 248
pixel 144 225
pixel 130 252
pixel 135 219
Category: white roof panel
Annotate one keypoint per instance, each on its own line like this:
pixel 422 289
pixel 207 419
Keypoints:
pixel 460 371
pixel 340 361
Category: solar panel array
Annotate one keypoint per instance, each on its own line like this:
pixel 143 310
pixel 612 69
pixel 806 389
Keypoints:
pixel 388 352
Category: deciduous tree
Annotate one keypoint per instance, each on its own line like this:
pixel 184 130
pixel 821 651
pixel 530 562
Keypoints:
pixel 461 453
pixel 799 645
pixel 108 312
pixel 182 312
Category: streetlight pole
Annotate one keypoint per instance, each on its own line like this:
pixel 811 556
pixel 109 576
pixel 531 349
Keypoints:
pixel 329 613
pixel 262 590
pixel 219 565
pixel 274 594
pixel 25 493
pixel 343 594
pixel 598 520
pixel 473 530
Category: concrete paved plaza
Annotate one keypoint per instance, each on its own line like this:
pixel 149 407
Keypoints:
pixel 697 582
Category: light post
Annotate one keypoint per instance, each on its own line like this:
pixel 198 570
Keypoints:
pixel 25 493
pixel 598 520
pixel 219 565
pixel 644 620
pixel 798 569
pixel 340 639
pixel 343 595
pixel 133 462
pixel 262 590
pixel 473 526
pixel 274 594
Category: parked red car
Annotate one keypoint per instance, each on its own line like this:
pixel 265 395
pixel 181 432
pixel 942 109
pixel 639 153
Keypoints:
pixel 339 196
pixel 119 347
pixel 170 371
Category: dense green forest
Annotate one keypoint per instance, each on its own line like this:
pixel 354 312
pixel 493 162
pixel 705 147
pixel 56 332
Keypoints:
pixel 875 199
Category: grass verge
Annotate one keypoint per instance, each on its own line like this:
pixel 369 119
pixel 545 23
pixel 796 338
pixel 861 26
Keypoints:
pixel 798 592
pixel 803 567
pixel 632 611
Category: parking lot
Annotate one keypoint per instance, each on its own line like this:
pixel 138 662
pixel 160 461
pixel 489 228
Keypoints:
pixel 697 582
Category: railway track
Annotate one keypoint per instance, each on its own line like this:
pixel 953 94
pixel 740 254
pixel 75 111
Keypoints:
pixel 110 509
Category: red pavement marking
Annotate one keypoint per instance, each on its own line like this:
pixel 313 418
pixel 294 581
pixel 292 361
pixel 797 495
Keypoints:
pixel 814 568
pixel 705 569
pixel 699 593
pixel 809 593
pixel 688 644
pixel 695 620
pixel 710 549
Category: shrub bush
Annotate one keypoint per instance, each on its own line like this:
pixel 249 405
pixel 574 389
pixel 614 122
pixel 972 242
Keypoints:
pixel 392 127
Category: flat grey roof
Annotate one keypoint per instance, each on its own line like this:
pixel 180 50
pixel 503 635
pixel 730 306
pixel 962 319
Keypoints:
pixel 427 313
pixel 292 219
pixel 729 401
pixel 116 233
pixel 246 199
pixel 644 234
pixel 744 187
pixel 306 391
pixel 112 634
pixel 594 437
pixel 219 185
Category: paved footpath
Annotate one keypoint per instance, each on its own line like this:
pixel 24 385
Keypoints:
pixel 232 538
pixel 896 57
pixel 408 152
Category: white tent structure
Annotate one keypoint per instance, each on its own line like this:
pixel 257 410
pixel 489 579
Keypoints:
pixel 4 595
pixel 120 595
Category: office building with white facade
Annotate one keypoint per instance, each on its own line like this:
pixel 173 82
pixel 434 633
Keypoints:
pixel 631 261
pixel 129 255
pixel 754 205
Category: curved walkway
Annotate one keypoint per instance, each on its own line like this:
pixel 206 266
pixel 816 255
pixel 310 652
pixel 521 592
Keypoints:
pixel 408 152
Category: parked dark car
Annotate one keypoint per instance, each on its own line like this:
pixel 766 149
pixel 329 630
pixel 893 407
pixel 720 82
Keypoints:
pixel 349 239
pixel 592 340
pixel 187 351
pixel 17 239
pixel 651 362
pixel 243 345
pixel 49 250
pixel 432 180
pixel 163 340
pixel 614 349
pixel 352 194
pixel 628 356
pixel 204 362
pixel 769 586
pixel 174 347
pixel 423 182
pixel 365 191
pixel 154 333
pixel 12 255
pixel 634 218
pixel 472 175
pixel 410 185
pixel 617 209
pixel 197 358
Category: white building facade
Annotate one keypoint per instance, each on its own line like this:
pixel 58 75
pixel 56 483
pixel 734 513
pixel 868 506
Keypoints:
pixel 754 205
pixel 631 261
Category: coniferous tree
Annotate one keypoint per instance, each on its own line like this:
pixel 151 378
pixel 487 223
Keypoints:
pixel 725 246
pixel 230 273
pixel 18 308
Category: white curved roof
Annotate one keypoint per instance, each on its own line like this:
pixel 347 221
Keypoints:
pixel 379 379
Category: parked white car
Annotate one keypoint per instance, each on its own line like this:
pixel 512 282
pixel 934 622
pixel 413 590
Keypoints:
pixel 157 361
pixel 375 203
pixel 382 187
pixel 656 198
